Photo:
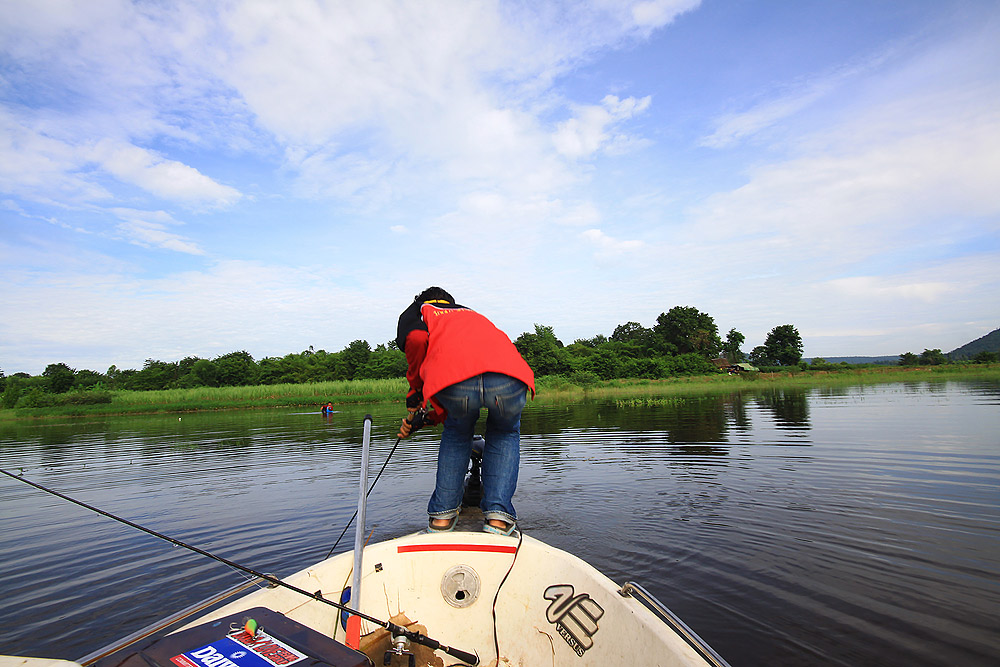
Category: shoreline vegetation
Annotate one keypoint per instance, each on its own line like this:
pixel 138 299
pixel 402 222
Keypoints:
pixel 550 389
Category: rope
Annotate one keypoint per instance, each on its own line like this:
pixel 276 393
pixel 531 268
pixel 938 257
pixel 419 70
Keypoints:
pixel 496 641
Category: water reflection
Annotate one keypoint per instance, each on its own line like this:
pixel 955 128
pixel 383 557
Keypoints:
pixel 686 423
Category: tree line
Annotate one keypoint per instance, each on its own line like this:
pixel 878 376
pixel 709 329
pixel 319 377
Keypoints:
pixel 356 361
pixel 683 341
pixel 936 357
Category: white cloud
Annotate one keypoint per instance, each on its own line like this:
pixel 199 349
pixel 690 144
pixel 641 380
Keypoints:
pixel 162 177
pixel 609 246
pixel 872 288
pixel 791 99
pixel 150 229
pixel 876 181
pixel 911 152
pixel 231 305
pixel 733 127
pixel 42 168
pixel 657 13
pixel 592 127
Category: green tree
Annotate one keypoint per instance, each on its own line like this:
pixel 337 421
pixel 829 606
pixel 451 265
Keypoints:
pixel 205 372
pixel 384 363
pixel 236 369
pixel 685 329
pixel 596 341
pixel 155 374
pixel 604 363
pixel 543 351
pixel 909 359
pixel 354 357
pixel 784 345
pixel 86 379
pixel 985 357
pixel 760 356
pixel 734 339
pixel 15 387
pixel 933 357
pixel 691 363
pixel 633 333
pixel 60 378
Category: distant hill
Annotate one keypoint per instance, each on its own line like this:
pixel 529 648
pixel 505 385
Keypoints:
pixel 860 360
pixel 988 343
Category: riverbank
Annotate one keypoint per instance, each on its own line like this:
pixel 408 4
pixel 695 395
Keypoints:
pixel 550 389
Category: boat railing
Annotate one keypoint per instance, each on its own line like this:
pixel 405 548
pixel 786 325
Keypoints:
pixel 163 624
pixel 632 589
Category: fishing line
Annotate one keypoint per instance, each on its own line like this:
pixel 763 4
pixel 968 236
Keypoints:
pixel 368 493
pixel 394 629
pixel 416 421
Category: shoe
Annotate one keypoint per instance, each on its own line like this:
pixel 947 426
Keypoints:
pixel 452 522
pixel 509 531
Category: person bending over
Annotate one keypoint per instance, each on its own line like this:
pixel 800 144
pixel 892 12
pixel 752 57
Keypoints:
pixel 459 362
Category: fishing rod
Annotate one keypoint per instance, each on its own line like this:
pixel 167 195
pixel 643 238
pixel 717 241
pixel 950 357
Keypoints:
pixel 423 640
pixel 415 422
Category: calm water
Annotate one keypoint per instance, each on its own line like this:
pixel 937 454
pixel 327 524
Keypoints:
pixel 849 526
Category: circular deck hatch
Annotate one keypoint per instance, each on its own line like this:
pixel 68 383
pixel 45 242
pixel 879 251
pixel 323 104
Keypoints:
pixel 460 586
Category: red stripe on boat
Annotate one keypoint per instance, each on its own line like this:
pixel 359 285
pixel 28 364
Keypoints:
pixel 491 548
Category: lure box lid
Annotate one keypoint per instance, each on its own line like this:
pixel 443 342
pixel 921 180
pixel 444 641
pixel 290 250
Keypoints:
pixel 280 642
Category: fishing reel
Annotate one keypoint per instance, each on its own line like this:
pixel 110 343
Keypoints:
pixel 413 422
pixel 400 646
pixel 417 420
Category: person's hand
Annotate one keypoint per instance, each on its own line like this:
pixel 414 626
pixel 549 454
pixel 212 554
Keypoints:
pixel 413 421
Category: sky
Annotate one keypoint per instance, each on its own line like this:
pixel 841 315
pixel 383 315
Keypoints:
pixel 191 179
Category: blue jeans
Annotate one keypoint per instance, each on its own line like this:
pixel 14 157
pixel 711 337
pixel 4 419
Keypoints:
pixel 504 398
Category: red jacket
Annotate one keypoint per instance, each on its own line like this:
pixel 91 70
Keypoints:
pixel 447 343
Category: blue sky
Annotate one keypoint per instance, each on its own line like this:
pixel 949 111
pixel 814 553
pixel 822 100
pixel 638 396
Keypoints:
pixel 190 178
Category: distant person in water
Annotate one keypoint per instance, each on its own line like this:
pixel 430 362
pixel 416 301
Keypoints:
pixel 327 408
pixel 459 362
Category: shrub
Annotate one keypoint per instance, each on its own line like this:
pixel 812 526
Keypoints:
pixel 584 378
pixel 689 364
pixel 10 395
pixel 35 398
pixel 92 397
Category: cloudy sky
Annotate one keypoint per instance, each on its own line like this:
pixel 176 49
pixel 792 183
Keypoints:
pixel 194 178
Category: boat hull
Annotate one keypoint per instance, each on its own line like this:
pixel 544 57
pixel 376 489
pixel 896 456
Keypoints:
pixel 552 607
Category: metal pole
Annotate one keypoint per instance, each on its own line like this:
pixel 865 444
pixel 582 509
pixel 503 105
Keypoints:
pixel 354 623
pixel 673 620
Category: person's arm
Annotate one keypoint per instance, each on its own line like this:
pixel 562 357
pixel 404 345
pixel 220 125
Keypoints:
pixel 416 350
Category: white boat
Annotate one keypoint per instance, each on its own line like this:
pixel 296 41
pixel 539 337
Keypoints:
pixel 443 598
pixel 470 591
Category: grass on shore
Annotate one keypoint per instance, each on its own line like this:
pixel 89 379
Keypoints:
pixel 554 388
pixel 550 389
pixel 227 398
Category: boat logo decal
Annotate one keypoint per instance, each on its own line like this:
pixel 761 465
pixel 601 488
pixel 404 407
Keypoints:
pixel 241 649
pixel 575 616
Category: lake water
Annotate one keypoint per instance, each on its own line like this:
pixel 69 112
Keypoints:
pixel 847 526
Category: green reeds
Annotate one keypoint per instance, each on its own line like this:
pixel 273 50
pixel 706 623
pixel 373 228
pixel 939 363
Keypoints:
pixel 230 398
pixel 551 389
pixel 559 389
